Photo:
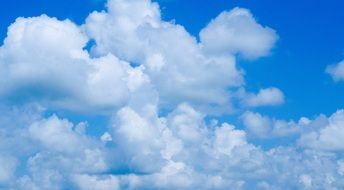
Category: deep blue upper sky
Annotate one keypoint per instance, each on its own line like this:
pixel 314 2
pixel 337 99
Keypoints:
pixel 311 37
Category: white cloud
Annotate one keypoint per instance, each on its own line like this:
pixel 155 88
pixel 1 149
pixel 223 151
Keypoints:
pixel 322 133
pixel 7 168
pixel 106 137
pixel 306 181
pixel 175 62
pixel 148 150
pixel 328 137
pixel 186 123
pixel 262 126
pixel 257 124
pixel 227 138
pixel 172 65
pixel 341 167
pixel 39 49
pixel 336 71
pixel 88 182
pixel 43 60
pixel 173 147
pixel 120 29
pixel 237 31
pixel 56 134
pixel 265 97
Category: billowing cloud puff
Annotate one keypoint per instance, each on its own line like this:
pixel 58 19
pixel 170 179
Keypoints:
pixel 37 52
pixel 122 27
pixel 176 63
pixel 265 97
pixel 257 124
pixel 328 137
pixel 321 133
pixel 43 59
pixel 236 31
pixel 261 126
pixel 336 71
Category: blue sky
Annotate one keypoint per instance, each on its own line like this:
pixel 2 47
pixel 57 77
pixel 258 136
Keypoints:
pixel 129 94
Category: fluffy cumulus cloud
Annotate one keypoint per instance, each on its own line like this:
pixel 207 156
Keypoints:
pixel 321 133
pixel 237 32
pixel 257 124
pixel 329 137
pixel 336 71
pixel 265 97
pixel 160 91
pixel 262 126
pixel 178 67
pixel 42 59
pixel 177 151
pixel 135 52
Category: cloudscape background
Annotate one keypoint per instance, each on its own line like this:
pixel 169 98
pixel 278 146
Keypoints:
pixel 170 94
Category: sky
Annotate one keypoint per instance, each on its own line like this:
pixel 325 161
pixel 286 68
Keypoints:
pixel 171 94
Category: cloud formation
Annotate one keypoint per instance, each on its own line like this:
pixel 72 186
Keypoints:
pixel 265 97
pixel 158 87
pixel 237 32
pixel 178 67
pixel 43 60
pixel 336 71
pixel 329 137
pixel 176 151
